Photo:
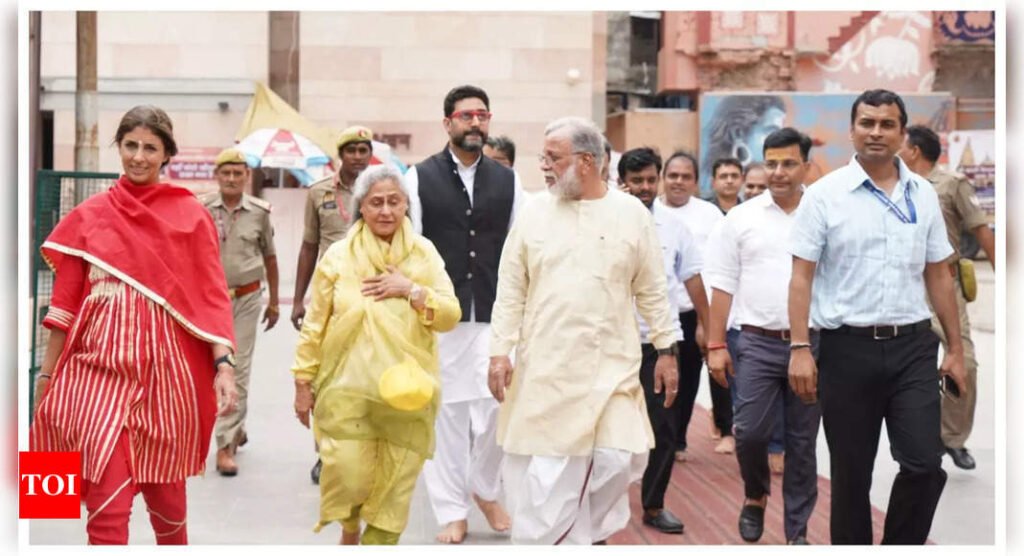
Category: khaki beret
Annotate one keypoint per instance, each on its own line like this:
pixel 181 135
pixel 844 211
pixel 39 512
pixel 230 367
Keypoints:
pixel 354 134
pixel 229 156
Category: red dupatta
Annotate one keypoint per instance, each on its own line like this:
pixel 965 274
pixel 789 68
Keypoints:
pixel 159 240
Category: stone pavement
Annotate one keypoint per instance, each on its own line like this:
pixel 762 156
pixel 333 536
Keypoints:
pixel 272 501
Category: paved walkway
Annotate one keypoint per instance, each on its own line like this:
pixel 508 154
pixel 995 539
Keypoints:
pixel 272 500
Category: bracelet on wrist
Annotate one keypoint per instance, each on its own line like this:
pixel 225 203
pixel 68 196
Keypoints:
pixel 800 345
pixel 713 347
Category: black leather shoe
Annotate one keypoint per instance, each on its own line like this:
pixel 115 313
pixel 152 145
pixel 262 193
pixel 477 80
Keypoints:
pixel 961 458
pixel 314 474
pixel 665 522
pixel 799 540
pixel 751 523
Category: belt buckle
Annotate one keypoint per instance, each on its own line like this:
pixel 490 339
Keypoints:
pixel 784 335
pixel 876 336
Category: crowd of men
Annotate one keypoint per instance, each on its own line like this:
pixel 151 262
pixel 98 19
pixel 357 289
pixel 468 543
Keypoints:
pixel 590 310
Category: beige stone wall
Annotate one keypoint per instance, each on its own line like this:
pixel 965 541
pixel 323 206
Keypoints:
pixel 390 71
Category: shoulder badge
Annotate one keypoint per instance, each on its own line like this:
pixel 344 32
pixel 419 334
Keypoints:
pixel 263 204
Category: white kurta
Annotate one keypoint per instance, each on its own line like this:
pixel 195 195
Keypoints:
pixel 569 273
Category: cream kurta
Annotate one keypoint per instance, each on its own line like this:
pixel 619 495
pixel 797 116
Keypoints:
pixel 566 285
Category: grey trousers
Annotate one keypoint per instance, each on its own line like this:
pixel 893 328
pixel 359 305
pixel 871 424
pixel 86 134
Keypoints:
pixel 762 375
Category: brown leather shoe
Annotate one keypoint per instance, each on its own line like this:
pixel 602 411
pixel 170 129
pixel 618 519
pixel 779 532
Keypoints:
pixel 226 463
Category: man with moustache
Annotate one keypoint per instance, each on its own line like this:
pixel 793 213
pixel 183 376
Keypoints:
pixel 573 422
pixel 640 172
pixel 726 177
pixel 870 239
pixel 464 203
pixel 327 218
pixel 961 211
pixel 748 270
pixel 680 197
pixel 247 254
pixel 755 180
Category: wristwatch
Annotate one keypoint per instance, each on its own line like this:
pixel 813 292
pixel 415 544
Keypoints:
pixel 414 291
pixel 673 351
pixel 229 359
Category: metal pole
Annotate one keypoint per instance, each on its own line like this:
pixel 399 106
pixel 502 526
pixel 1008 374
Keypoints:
pixel 87 152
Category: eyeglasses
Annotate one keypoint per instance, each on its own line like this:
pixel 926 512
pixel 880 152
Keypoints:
pixel 788 165
pixel 467 116
pixel 552 160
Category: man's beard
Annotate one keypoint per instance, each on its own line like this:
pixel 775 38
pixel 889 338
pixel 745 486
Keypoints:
pixel 474 143
pixel 567 187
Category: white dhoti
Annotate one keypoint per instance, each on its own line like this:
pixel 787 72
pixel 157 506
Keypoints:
pixel 467 460
pixel 570 499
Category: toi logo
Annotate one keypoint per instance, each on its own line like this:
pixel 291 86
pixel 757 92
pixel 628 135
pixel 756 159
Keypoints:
pixel 49 485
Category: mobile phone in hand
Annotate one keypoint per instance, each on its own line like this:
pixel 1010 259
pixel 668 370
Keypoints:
pixel 948 386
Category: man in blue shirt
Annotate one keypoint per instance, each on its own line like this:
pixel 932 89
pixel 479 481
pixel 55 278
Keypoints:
pixel 871 238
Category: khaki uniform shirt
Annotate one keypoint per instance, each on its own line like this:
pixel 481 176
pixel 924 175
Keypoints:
pixel 328 215
pixel 568 277
pixel 246 237
pixel 960 207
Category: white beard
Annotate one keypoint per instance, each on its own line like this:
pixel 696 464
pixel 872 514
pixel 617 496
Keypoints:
pixel 567 187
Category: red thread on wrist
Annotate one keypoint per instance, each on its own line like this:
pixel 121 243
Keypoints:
pixel 713 347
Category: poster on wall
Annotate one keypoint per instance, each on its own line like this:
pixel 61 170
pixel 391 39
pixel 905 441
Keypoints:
pixel 735 125
pixel 973 154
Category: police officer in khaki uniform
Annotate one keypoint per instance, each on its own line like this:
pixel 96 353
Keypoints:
pixel 328 217
pixel 246 252
pixel 961 211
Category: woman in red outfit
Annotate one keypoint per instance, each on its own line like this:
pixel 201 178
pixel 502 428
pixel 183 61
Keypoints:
pixel 138 358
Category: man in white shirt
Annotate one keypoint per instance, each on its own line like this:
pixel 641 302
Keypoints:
pixel 748 269
pixel 639 172
pixel 465 203
pixel 680 197
pixel 573 423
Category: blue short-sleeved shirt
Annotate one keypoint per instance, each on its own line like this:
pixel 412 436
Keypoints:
pixel 870 263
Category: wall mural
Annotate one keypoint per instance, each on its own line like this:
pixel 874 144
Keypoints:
pixel 892 51
pixel 969 27
pixel 736 124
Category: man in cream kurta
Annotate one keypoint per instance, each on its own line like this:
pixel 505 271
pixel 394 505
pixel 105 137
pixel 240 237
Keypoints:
pixel 574 426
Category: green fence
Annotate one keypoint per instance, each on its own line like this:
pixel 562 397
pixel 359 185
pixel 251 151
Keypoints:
pixel 56 194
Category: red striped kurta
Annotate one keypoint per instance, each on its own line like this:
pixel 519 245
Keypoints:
pixel 125 365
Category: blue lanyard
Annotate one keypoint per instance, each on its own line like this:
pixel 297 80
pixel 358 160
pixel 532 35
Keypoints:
pixel 878 193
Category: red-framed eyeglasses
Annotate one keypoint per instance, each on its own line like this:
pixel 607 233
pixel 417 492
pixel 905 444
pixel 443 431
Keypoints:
pixel 467 115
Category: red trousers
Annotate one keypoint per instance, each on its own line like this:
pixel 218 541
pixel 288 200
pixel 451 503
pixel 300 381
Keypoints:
pixel 109 503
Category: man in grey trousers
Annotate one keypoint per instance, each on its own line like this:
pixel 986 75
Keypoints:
pixel 748 269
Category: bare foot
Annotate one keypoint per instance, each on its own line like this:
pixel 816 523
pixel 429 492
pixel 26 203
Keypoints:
pixel 777 463
pixel 349 538
pixel 496 516
pixel 453 533
pixel 715 433
pixel 726 446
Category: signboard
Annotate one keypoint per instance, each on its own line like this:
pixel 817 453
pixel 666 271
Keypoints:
pixel 193 163
pixel 973 154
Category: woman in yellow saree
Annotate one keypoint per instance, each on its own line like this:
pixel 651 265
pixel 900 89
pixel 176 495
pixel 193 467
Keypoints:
pixel 366 365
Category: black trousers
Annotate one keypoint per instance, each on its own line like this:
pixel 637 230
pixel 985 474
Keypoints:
pixel 690 366
pixel 665 422
pixel 863 382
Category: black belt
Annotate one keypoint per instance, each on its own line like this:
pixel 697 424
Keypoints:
pixel 882 331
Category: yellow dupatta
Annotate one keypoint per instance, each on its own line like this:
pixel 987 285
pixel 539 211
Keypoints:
pixel 363 338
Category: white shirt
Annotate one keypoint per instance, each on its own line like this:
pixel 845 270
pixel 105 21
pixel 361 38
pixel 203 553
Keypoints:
pixel 682 260
pixel 700 217
pixel 468 176
pixel 870 264
pixel 748 258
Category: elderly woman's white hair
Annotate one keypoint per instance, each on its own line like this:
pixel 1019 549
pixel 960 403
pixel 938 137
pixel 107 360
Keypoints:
pixel 370 177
